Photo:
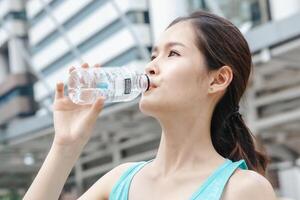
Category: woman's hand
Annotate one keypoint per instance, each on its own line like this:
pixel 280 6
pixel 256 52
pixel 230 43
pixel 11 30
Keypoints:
pixel 73 123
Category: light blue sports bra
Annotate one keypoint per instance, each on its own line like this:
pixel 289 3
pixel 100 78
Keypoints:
pixel 211 189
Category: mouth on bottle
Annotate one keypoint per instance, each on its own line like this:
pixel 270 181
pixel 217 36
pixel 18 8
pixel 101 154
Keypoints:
pixel 151 87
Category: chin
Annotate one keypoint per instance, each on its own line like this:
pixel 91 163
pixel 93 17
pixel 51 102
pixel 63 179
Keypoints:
pixel 150 106
pixel 155 107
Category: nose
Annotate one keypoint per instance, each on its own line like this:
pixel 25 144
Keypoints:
pixel 151 69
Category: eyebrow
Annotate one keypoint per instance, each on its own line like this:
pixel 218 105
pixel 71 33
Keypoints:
pixel 168 45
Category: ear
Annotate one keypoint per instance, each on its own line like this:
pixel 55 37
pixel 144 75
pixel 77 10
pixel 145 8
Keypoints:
pixel 220 79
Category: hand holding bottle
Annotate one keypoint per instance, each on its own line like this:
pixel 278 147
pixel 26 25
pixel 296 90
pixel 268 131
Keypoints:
pixel 73 126
pixel 73 123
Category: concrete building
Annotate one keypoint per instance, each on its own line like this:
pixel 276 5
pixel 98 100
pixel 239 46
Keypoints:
pixel 40 39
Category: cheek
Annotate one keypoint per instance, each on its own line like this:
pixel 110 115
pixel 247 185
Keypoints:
pixel 189 85
pixel 180 87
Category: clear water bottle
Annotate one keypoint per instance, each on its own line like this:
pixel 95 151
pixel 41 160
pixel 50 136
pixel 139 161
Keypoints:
pixel 116 84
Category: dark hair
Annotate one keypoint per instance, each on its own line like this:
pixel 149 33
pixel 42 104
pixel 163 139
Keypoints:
pixel 223 44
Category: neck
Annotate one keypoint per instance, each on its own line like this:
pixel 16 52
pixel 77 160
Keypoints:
pixel 185 144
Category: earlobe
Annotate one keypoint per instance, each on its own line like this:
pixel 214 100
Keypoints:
pixel 212 82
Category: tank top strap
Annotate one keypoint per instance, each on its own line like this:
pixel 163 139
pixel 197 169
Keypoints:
pixel 121 188
pixel 214 188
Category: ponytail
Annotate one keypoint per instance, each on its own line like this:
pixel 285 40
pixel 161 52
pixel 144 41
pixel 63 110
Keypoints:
pixel 233 140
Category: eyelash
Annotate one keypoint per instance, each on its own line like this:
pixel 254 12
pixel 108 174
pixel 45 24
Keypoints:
pixel 153 57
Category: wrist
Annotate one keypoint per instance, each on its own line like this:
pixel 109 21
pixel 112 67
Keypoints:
pixel 67 151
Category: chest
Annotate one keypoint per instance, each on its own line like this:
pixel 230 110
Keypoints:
pixel 176 189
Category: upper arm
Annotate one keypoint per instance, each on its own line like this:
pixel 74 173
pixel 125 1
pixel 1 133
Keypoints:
pixel 101 189
pixel 248 185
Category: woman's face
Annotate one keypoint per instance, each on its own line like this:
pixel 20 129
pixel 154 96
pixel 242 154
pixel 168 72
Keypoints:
pixel 177 72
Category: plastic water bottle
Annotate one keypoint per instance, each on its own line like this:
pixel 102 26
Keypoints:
pixel 116 84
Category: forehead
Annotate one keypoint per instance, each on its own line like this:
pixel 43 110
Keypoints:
pixel 181 32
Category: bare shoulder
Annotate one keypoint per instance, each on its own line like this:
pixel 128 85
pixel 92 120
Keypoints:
pixel 102 188
pixel 116 172
pixel 248 184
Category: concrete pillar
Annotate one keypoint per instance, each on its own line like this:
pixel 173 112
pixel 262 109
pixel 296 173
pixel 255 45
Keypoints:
pixel 17 63
pixel 3 67
pixel 164 12
pixel 282 9
pixel 16 25
pixel 19 78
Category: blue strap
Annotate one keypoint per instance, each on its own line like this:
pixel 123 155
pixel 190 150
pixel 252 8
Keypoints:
pixel 121 188
pixel 228 173
pixel 210 179
pixel 214 188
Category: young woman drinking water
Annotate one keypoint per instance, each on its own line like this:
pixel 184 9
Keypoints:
pixel 199 71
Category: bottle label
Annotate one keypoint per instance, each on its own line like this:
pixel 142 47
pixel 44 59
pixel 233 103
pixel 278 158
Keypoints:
pixel 127 86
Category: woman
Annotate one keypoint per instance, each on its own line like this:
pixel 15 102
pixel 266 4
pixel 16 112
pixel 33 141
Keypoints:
pixel 199 71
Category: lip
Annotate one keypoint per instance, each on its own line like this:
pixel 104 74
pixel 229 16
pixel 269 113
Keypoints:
pixel 152 86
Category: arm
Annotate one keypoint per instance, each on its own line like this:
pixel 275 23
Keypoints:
pixel 73 126
pixel 53 174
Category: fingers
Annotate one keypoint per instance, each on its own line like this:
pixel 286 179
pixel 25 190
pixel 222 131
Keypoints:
pixel 97 65
pixel 97 106
pixel 84 65
pixel 71 69
pixel 59 92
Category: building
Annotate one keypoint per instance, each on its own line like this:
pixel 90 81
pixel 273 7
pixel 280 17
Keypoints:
pixel 40 39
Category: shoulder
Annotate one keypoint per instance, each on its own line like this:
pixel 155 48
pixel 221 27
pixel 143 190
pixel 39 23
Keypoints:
pixel 102 188
pixel 248 184
pixel 117 171
pixel 115 174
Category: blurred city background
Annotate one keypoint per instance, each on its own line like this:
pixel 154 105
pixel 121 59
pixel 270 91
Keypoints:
pixel 41 39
